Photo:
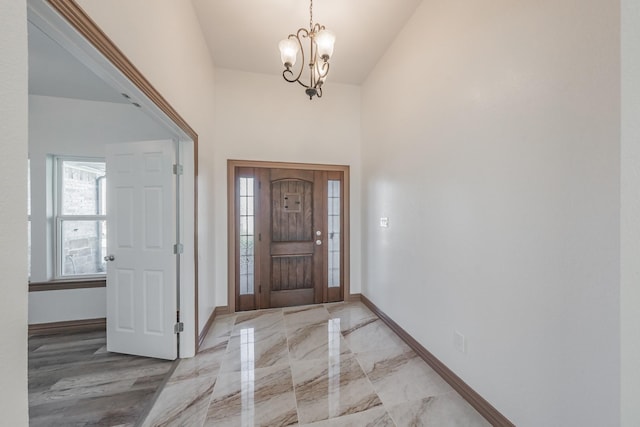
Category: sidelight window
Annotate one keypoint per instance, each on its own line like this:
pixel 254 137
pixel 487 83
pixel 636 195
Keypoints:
pixel 333 204
pixel 247 235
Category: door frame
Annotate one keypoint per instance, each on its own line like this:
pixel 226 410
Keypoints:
pixel 91 46
pixel 232 165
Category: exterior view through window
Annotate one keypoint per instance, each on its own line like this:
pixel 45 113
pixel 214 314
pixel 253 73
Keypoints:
pixel 81 217
pixel 333 205
pixel 247 235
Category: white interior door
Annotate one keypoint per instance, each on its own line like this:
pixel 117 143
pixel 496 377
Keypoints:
pixel 141 230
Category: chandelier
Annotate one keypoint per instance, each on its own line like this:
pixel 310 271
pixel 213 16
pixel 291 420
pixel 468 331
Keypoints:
pixel 320 50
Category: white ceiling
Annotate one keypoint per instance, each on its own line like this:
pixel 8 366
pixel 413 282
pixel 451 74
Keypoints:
pixel 78 103
pixel 244 34
pixel 53 71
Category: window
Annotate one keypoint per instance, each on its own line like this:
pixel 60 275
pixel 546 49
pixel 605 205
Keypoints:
pixel 247 236
pixel 81 227
pixel 333 204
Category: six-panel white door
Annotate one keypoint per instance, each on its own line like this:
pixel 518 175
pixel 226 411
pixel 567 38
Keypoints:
pixel 141 224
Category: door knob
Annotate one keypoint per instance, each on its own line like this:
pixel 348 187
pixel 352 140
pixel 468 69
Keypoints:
pixel 318 242
pixel 109 258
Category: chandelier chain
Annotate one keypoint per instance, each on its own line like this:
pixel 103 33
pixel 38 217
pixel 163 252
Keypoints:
pixel 311 14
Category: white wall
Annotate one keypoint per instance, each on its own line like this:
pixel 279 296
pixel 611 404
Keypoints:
pixel 13 220
pixel 491 141
pixel 163 39
pixel 630 215
pixel 63 305
pixel 262 117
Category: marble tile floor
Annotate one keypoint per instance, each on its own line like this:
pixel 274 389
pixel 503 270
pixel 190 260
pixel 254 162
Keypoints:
pixel 323 365
pixel 74 381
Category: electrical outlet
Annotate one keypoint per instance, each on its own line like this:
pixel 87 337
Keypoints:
pixel 384 222
pixel 459 342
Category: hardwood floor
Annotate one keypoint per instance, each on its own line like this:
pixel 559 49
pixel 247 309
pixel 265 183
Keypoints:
pixel 74 381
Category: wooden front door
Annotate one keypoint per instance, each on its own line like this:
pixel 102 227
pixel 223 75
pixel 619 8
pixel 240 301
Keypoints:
pixel 289 247
pixel 291 211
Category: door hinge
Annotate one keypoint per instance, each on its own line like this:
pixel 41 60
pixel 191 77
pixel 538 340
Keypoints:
pixel 259 185
pixel 178 248
pixel 178 327
pixel 260 289
pixel 259 237
pixel 178 169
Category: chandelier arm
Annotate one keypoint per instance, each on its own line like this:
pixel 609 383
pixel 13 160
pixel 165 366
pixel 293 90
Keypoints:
pixel 287 74
pixel 301 33
pixel 323 69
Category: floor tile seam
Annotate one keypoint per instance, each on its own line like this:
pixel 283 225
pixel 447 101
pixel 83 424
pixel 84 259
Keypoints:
pixel 295 393
pixel 393 404
pixel 224 356
pixel 387 409
pixel 60 398
pixel 375 390
pixel 177 383
pixel 210 399
pixel 275 365
pixel 173 382
pixel 114 376
pixel 293 382
pixel 178 407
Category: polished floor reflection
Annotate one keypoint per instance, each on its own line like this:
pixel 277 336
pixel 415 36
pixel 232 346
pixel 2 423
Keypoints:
pixel 324 365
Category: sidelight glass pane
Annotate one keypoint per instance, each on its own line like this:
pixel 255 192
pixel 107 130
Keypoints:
pixel 247 236
pixel 84 243
pixel 333 204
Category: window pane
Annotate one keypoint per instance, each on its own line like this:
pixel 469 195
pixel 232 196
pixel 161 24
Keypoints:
pixel 333 210
pixel 84 244
pixel 82 188
pixel 246 233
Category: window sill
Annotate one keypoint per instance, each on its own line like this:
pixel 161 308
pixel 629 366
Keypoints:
pixel 58 285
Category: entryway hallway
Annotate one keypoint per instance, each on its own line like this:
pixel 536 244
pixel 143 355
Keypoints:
pixel 322 365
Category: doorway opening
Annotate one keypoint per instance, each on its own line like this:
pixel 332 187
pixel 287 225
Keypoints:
pixel 118 88
pixel 288 234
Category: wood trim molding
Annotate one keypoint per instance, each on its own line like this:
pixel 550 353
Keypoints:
pixel 353 298
pixel 70 326
pixel 232 165
pixel 284 165
pixel 218 311
pixel 481 405
pixel 80 20
pixel 59 285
